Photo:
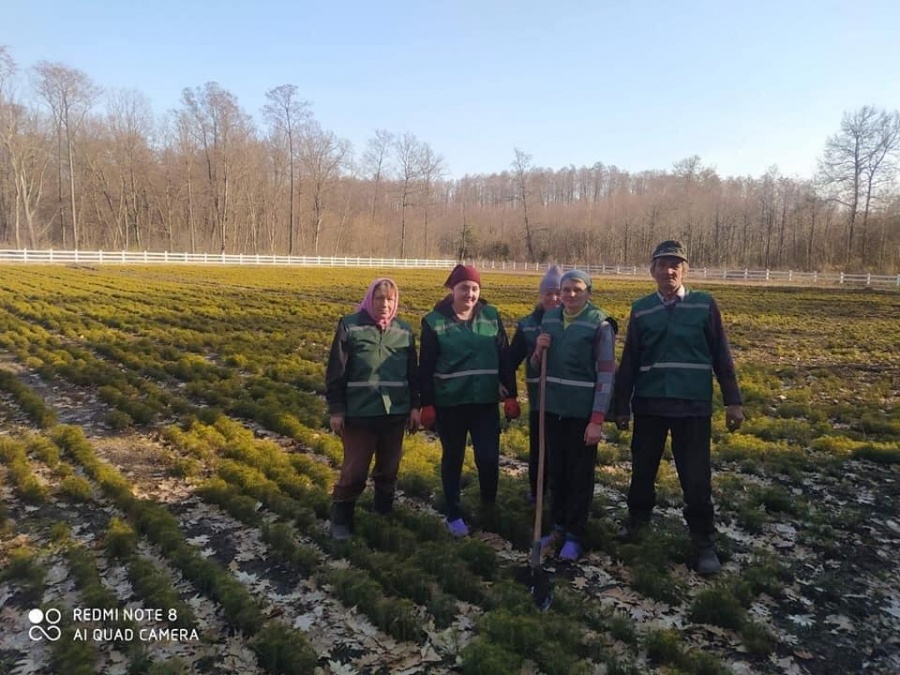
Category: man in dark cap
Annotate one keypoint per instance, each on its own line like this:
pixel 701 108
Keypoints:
pixel 674 345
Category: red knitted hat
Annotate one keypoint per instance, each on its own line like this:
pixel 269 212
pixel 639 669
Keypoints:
pixel 462 273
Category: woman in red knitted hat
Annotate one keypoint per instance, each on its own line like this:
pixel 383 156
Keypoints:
pixel 465 371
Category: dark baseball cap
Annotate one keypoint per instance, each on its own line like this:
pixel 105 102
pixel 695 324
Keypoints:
pixel 670 248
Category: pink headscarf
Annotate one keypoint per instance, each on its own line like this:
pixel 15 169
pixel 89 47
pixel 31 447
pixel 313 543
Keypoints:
pixel 368 302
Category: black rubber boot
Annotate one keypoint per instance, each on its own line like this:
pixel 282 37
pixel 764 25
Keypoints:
pixel 631 529
pixel 341 520
pixel 383 503
pixel 706 562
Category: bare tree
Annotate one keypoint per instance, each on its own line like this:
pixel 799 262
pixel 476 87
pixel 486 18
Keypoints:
pixel 130 120
pixel 70 95
pixel 407 150
pixel 375 164
pixel 431 170
pixel 24 140
pixel 187 149
pixel 286 114
pixel 521 169
pixel 219 125
pixel 859 160
pixel 768 211
pixel 323 156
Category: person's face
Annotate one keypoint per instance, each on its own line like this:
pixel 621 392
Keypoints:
pixel 550 299
pixel 465 295
pixel 574 295
pixel 668 272
pixel 384 301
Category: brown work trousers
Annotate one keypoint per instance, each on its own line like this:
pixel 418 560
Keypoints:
pixel 363 438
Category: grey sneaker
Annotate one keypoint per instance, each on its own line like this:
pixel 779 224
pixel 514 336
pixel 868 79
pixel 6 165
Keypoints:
pixel 340 532
pixel 707 562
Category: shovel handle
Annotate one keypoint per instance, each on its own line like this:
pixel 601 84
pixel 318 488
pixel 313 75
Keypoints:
pixel 542 452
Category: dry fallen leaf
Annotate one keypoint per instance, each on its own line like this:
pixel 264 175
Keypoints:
pixel 804 620
pixel 840 622
pixel 579 583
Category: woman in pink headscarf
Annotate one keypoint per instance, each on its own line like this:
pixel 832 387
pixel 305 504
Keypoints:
pixel 372 389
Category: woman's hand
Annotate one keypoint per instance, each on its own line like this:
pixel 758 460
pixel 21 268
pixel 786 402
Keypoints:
pixel 415 417
pixel 593 433
pixel 337 424
pixel 542 344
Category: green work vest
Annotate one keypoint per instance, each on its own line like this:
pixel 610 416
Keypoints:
pixel 675 359
pixel 530 328
pixel 377 367
pixel 572 363
pixel 468 363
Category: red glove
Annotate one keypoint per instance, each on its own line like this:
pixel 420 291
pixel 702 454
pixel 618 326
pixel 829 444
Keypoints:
pixel 511 409
pixel 428 417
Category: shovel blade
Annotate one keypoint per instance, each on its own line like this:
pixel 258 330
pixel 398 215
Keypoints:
pixel 541 588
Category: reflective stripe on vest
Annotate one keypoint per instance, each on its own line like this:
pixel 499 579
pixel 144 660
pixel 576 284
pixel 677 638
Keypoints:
pixel 465 373
pixel 570 383
pixel 377 383
pixel 676 364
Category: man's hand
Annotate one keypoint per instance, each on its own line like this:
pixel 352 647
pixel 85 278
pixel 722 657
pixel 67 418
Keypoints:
pixel 622 422
pixel 414 420
pixel 593 433
pixel 511 409
pixel 734 417
pixel 428 417
pixel 337 424
pixel 504 393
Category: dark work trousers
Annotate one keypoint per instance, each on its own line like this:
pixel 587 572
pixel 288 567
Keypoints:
pixel 690 448
pixel 363 438
pixel 534 453
pixel 455 423
pixel 571 473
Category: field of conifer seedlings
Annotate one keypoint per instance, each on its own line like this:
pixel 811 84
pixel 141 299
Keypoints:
pixel 166 467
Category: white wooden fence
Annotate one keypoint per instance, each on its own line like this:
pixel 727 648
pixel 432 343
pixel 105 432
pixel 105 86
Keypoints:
pixel 155 257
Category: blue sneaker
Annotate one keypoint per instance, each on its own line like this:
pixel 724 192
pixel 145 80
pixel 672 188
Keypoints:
pixel 458 528
pixel 571 551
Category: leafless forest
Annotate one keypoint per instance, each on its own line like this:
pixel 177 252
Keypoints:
pixel 91 169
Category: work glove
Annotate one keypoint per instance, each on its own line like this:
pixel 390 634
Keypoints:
pixel 511 409
pixel 428 417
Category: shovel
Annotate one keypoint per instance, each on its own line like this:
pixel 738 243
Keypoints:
pixel 538 580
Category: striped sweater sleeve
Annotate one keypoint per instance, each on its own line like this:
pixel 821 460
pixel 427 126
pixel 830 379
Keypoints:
pixel 605 350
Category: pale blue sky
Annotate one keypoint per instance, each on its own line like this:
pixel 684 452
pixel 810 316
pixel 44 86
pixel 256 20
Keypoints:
pixel 637 84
